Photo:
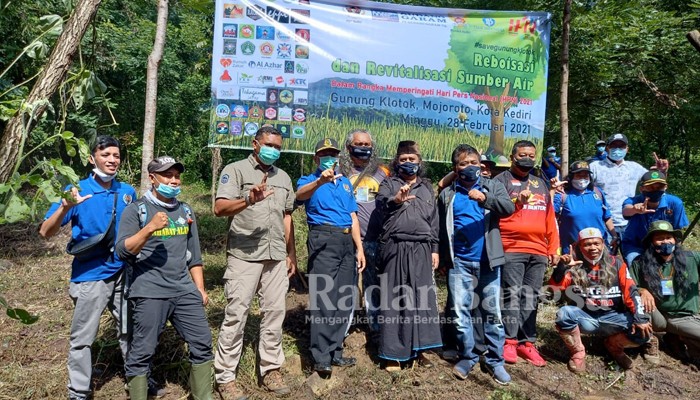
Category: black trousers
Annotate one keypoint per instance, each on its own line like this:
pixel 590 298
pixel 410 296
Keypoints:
pixel 185 312
pixel 332 291
pixel 521 280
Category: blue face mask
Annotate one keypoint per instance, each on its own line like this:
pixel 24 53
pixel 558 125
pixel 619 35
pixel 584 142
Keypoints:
pixel 654 196
pixel 470 174
pixel 408 168
pixel 665 249
pixel 327 162
pixel 617 154
pixel 168 191
pixel 600 149
pixel 268 155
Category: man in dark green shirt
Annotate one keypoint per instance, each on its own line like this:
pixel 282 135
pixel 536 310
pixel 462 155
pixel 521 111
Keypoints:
pixel 159 239
pixel 667 276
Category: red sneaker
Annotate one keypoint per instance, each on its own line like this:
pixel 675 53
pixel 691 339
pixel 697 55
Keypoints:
pixel 510 354
pixel 528 351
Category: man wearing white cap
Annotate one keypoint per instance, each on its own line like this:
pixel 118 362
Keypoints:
pixel 603 300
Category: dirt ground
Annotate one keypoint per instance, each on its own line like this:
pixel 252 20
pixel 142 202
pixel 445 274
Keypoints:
pixel 34 275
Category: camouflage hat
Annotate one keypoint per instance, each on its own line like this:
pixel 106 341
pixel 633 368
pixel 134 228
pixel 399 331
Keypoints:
pixel 662 226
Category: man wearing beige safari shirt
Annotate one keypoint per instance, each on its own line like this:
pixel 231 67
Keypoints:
pixel 258 198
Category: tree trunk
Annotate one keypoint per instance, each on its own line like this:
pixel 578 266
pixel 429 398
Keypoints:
pixel 564 91
pixel 215 169
pixel 149 123
pixel 498 109
pixel 47 83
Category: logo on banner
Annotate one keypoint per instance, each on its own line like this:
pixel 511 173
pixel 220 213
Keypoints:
pixel 281 35
pixel 298 132
pixel 233 10
pixel 284 114
pixel 286 96
pixel 225 62
pixel 301 51
pixel 255 112
pixel 303 35
pixel 284 130
pixel 525 23
pixel 255 12
pixel 300 16
pixel 298 82
pixel 222 111
pixel 459 20
pixel 222 128
pixel 244 78
pixel 265 79
pixel 265 65
pixel 301 97
pixel 270 113
pixel 277 15
pixel 229 46
pixel 279 80
pixel 230 30
pixel 253 94
pixel 225 77
pixel 266 49
pixel 227 92
pixel 247 31
pixel 302 67
pixel 239 111
pixel 272 96
pixel 236 128
pixel 489 22
pixel 299 115
pixel 385 16
pixel 247 48
pixel 263 32
pixel 289 67
pixel 422 19
pixel 251 128
pixel 284 50
pixel 355 10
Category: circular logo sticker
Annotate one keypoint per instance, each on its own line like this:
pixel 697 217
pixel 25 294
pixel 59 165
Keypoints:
pixel 222 111
pixel 251 128
pixel 286 96
pixel 266 49
pixel 222 128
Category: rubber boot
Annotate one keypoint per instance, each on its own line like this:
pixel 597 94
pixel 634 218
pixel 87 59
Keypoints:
pixel 616 345
pixel 572 340
pixel 138 387
pixel 201 381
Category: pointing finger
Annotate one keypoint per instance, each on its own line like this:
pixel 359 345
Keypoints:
pixel 335 164
pixel 646 201
pixel 264 180
pixel 656 158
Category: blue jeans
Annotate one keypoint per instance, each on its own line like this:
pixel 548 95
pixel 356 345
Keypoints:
pixel 462 280
pixel 474 285
pixel 494 338
pixel 605 323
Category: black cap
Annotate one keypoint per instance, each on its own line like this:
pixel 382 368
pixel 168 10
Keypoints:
pixel 653 176
pixel 327 143
pixel 618 137
pixel 600 142
pixel 164 163
pixel 579 166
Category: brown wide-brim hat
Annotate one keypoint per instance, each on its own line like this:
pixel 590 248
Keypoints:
pixel 407 147
pixel 662 226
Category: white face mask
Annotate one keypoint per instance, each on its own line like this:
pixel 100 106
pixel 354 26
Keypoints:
pixel 580 184
pixel 594 261
pixel 105 177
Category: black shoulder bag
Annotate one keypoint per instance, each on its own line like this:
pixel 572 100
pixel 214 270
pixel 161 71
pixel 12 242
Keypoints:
pixel 97 246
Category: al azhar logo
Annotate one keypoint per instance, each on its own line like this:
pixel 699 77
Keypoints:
pixel 489 21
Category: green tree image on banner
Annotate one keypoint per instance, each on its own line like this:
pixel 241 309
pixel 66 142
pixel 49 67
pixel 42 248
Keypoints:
pixel 441 77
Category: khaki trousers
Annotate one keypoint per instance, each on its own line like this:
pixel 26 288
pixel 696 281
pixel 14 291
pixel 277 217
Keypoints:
pixel 243 280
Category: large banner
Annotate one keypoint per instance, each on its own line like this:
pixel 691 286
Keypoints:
pixel 438 76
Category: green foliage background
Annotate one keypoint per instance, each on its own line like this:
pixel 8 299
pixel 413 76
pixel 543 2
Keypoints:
pixel 632 71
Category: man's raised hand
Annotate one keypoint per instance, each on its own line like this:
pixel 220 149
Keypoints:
pixel 403 195
pixel 660 163
pixel 72 197
pixel 260 192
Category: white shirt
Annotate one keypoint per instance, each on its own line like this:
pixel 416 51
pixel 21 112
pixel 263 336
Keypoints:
pixel 618 182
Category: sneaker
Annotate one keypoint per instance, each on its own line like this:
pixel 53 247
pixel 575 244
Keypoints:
pixel 230 391
pixel 529 352
pixel 510 354
pixel 650 351
pixel 274 382
pixel 461 369
pixel 499 373
pixel 393 366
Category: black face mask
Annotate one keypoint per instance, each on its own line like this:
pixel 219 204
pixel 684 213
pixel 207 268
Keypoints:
pixel 361 152
pixel 654 196
pixel 525 164
pixel 408 168
pixel 470 173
